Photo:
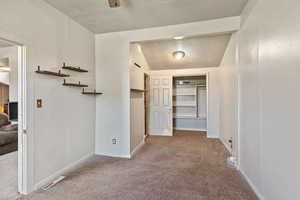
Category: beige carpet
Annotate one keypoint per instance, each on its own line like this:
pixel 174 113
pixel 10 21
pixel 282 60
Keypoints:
pixel 9 176
pixel 187 166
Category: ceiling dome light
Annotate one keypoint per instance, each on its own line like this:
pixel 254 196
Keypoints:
pixel 178 55
pixel 178 37
pixel 4 69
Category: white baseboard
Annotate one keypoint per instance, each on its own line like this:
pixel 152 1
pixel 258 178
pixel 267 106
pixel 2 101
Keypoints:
pixel 226 145
pixel 124 156
pixel 63 171
pixel 113 155
pixel 159 134
pixel 137 148
pixel 8 155
pixel 254 188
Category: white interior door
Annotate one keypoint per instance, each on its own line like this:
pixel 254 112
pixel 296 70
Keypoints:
pixel 161 106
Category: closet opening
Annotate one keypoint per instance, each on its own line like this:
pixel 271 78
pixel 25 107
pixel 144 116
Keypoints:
pixel 190 103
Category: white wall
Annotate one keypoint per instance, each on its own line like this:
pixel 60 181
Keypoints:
pixel 112 77
pixel 268 74
pixel 213 113
pixel 228 76
pixel 213 94
pixel 137 120
pixel 137 104
pixel 62 132
pixel 12 54
pixel 4 77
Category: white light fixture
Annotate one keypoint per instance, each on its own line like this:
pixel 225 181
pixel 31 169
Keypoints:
pixel 178 55
pixel 4 69
pixel 178 37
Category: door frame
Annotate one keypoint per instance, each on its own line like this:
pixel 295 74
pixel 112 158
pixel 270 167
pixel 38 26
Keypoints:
pixel 23 153
pixel 22 121
pixel 146 102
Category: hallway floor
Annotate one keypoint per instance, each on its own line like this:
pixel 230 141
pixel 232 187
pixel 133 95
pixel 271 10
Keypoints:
pixel 187 166
pixel 9 176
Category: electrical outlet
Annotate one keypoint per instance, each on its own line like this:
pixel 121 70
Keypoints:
pixel 114 141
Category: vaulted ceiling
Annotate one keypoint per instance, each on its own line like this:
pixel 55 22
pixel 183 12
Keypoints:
pixel 201 51
pixel 136 14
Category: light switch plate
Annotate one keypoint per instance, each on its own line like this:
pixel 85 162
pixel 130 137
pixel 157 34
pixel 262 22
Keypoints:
pixel 114 141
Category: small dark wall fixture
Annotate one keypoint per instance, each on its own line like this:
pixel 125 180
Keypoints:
pixel 139 66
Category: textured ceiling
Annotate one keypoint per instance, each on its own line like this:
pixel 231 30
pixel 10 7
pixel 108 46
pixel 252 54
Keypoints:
pixel 204 51
pixel 136 14
pixel 4 44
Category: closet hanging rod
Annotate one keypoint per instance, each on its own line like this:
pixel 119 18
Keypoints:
pixel 137 90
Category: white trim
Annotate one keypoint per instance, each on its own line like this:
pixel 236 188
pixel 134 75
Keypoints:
pixel 254 188
pixel 63 171
pixel 160 134
pixel 207 102
pixel 113 155
pixel 189 129
pixel 22 122
pixel 237 136
pixel 226 145
pixel 137 149
pixel 8 155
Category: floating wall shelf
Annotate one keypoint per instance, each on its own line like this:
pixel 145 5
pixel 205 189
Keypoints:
pixel 91 93
pixel 39 71
pixel 74 84
pixel 184 116
pixel 176 104
pixel 77 69
pixel 137 90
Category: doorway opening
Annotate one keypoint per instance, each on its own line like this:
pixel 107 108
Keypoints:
pixel 183 86
pixel 12 118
